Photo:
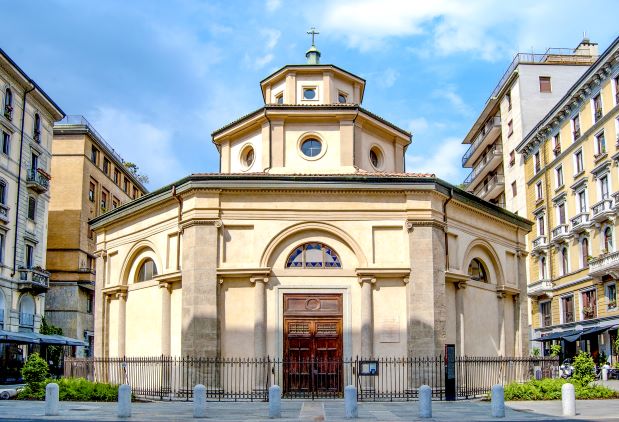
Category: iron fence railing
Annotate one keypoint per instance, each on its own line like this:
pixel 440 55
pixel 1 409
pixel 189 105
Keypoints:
pixel 231 379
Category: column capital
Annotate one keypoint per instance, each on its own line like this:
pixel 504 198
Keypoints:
pixel 461 284
pixel 255 279
pixel 366 279
pixel 436 224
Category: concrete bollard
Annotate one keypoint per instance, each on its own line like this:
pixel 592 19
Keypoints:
pixel 350 402
pixel 51 399
pixel 425 401
pixel 605 369
pixel 124 401
pixel 498 401
pixel 568 399
pixel 199 401
pixel 275 401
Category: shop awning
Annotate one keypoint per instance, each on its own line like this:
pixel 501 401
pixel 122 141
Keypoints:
pixel 566 335
pixel 14 337
pixel 36 338
pixel 60 340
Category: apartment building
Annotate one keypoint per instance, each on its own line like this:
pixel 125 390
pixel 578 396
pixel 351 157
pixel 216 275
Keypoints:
pixel 572 194
pixel 531 85
pixel 90 178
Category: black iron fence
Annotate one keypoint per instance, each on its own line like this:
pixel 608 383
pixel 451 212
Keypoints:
pixel 382 379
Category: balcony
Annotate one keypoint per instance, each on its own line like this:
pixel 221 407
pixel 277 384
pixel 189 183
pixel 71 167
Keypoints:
pixel 580 222
pixel 4 213
pixel 488 162
pixel 607 264
pixel 539 243
pixel 494 186
pixel 540 288
pixel 616 197
pixel 486 136
pixel 560 233
pixel 602 210
pixel 33 279
pixel 37 180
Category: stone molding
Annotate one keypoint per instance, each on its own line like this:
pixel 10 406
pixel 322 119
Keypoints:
pixel 200 222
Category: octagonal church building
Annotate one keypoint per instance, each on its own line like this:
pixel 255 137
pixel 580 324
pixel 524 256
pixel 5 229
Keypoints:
pixel 311 241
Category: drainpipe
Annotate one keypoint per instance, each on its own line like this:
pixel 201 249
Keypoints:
pixel 21 154
pixel 354 144
pixel 451 195
pixel 266 116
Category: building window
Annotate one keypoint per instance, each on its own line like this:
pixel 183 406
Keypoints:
pixel 597 108
pixel 34 162
pixel 147 270
pixel 561 213
pixel 117 176
pixel 564 261
pixel 6 143
pixel 91 192
pixel 576 126
pixel 135 192
pixel 247 157
pixel 545 313
pixel 8 104
pixel 559 176
pixel 584 252
pixel 542 268
pixel 608 240
pixel 512 158
pixel 508 98
pixel 115 203
pixel 537 161
pixel 510 128
pixel 567 309
pixel 341 98
pixel 311 147
pixel 36 129
pixel 578 163
pixel 376 157
pixel 279 98
pixel 32 207
pixel 544 84
pixel 126 185
pixel 88 303
pixel 600 144
pixel 29 256
pixel 477 271
pixel 589 304
pixel 106 166
pixel 2 192
pixel 538 191
pixel 94 155
pixel 540 225
pixel 582 200
pixel 313 255
pixel 617 90
pixel 604 194
pixel 514 189
pixel 2 243
pixel 27 310
pixel 556 140
pixel 309 93
pixel 611 296
pixel 103 201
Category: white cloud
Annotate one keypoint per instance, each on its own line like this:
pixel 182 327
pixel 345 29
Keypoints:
pixel 273 5
pixel 271 38
pixel 139 141
pixel 418 125
pixel 454 99
pixel 388 77
pixel 444 161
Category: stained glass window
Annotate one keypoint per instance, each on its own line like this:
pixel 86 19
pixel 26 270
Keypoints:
pixel 313 255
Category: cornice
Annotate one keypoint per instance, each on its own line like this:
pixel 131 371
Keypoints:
pixel 200 222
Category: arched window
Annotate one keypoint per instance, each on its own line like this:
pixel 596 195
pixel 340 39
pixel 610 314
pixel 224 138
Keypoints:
pixel 542 268
pixel 26 311
pixel 8 100
pixel 584 250
pixel 564 261
pixel 313 255
pixel 2 192
pixel 147 270
pixel 477 271
pixel 2 311
pixel 36 130
pixel 608 239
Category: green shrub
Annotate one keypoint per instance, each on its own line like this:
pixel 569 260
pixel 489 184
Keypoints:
pixel 555 350
pixel 34 372
pixel 74 389
pixel 583 369
pixel 550 389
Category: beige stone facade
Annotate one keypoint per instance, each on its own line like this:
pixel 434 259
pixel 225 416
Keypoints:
pixel 90 179
pixel 312 205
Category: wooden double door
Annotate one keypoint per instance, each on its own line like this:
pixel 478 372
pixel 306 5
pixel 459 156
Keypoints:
pixel 313 344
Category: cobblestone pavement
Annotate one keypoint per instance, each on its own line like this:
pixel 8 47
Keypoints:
pixel 292 410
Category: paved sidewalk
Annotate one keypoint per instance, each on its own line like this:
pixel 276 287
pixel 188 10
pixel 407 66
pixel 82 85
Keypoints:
pixel 292 410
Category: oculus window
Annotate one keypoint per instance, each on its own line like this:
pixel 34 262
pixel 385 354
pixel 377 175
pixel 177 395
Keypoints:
pixel 309 93
pixel 311 147
pixel 477 271
pixel 147 270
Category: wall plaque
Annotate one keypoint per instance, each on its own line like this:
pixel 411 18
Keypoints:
pixel 389 330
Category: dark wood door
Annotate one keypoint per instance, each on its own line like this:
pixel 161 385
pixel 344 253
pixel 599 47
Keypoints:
pixel 312 344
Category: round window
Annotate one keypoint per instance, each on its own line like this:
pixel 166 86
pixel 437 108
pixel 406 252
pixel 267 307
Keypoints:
pixel 341 98
pixel 311 147
pixel 309 93
pixel 376 157
pixel 247 158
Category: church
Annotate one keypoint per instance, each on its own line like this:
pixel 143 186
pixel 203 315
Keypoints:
pixel 312 241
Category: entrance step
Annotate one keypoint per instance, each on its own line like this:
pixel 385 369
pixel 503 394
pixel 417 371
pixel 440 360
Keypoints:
pixel 312 411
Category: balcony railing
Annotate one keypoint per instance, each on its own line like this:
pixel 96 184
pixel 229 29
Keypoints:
pixel 37 180
pixel 540 242
pixel 495 151
pixel 560 232
pixel 602 208
pixel 580 221
pixel 488 126
pixel 606 264
pixel 26 320
pixel 31 278
pixel 540 288
pixel 494 181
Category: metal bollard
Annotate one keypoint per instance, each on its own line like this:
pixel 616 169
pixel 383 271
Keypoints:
pixel 199 401
pixel 275 401
pixel 51 399
pixel 498 401
pixel 350 402
pixel 425 401
pixel 568 400
pixel 124 401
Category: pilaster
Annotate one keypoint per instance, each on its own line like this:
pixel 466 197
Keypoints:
pixel 367 316
pixel 100 307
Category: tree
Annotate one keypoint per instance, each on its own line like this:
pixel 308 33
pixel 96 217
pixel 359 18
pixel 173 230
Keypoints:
pixel 34 372
pixel 134 169
pixel 54 353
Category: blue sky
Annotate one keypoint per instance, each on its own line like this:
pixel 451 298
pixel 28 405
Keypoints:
pixel 157 77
